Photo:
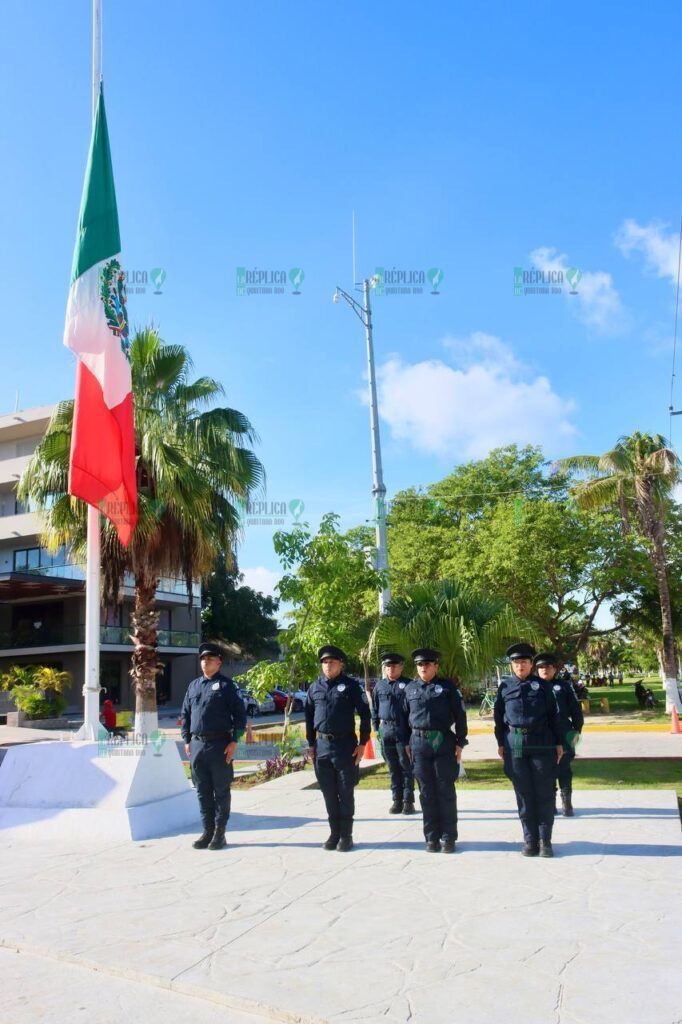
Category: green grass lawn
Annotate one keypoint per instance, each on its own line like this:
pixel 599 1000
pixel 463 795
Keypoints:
pixel 600 773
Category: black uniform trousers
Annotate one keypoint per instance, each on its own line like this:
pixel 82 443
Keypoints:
pixel 565 768
pixel 212 778
pixel 436 770
pixel 400 769
pixel 530 764
pixel 337 775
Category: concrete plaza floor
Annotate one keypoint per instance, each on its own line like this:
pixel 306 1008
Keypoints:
pixel 275 928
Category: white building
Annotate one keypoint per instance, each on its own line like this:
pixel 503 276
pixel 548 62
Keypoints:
pixel 42 596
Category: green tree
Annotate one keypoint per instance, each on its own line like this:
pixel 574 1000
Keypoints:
pixel 194 462
pixel 471 632
pixel 507 528
pixel 331 586
pixel 637 477
pixel 235 613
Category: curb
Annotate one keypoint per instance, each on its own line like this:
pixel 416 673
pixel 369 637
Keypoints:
pixel 240 1003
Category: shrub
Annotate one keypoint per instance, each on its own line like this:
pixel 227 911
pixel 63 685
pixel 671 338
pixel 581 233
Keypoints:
pixel 34 704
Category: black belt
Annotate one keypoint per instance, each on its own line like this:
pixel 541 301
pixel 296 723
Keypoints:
pixel 333 736
pixel 427 732
pixel 387 721
pixel 525 730
pixel 208 736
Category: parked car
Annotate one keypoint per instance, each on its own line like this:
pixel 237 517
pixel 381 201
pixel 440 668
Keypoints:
pixel 280 698
pixel 250 703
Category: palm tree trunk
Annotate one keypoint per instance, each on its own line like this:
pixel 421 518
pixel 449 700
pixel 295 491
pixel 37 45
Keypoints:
pixel 669 653
pixel 144 659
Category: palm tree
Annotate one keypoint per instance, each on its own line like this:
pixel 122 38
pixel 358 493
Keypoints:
pixel 194 465
pixel 637 476
pixel 471 631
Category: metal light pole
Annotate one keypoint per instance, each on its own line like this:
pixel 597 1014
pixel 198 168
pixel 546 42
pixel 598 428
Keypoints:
pixel 90 728
pixel 364 312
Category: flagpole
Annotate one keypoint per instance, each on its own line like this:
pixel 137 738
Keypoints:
pixel 91 685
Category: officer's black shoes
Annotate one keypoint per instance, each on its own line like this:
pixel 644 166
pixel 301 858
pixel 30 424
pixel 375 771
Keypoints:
pixel 408 807
pixel 396 807
pixel 218 841
pixel 433 846
pixel 448 846
pixel 530 850
pixel 345 844
pixel 204 839
pixel 331 843
pixel 566 802
pixel 546 848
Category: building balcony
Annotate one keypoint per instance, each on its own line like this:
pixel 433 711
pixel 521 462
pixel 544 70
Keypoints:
pixel 11 469
pixel 74 636
pixel 17 527
pixel 169 589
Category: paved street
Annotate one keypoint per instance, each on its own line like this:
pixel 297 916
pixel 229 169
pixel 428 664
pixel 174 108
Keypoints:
pixel 276 926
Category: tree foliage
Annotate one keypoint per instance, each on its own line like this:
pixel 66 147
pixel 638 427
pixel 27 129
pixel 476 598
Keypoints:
pixel 236 613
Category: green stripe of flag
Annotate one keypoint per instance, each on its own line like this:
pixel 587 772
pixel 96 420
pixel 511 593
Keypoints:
pixel 98 236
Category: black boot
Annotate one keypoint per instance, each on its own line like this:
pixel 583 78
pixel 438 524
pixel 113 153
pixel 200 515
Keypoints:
pixel 331 843
pixel 530 848
pixel 408 806
pixel 433 846
pixel 204 839
pixel 396 807
pixel 566 802
pixel 345 844
pixel 448 845
pixel 218 840
pixel 546 848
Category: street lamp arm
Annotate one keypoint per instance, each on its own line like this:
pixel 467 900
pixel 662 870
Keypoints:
pixel 358 309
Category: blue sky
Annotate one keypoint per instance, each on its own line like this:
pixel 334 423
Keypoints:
pixel 473 138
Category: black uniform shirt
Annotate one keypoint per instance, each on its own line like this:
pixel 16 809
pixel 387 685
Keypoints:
pixel 331 706
pixel 437 705
pixel 570 711
pixel 213 706
pixel 526 704
pixel 387 699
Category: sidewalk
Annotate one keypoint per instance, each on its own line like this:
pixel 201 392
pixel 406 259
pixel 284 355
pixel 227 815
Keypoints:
pixel 275 926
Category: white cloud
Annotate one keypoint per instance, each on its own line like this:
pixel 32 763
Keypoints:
pixel 660 250
pixel 464 412
pixel 597 302
pixel 261 579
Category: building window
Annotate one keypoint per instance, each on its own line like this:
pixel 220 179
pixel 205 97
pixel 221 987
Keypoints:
pixel 33 559
pixel 110 679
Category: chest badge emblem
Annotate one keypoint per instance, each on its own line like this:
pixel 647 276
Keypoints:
pixel 216 686
pixel 439 689
pixel 341 687
pixel 535 686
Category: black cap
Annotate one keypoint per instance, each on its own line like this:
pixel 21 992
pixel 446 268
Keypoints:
pixel 520 651
pixel 425 654
pixel 392 658
pixel 544 658
pixel 329 651
pixel 214 649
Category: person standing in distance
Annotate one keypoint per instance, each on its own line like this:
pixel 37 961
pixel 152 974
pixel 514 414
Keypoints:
pixel 386 717
pixel 213 720
pixel 432 705
pixel 571 719
pixel 528 733
pixel 331 705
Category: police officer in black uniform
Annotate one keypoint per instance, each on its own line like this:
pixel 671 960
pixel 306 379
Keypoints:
pixel 331 705
pixel 387 698
pixel 213 720
pixel 528 733
pixel 571 719
pixel 432 705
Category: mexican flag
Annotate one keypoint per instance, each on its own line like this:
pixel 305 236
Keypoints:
pixel 102 461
